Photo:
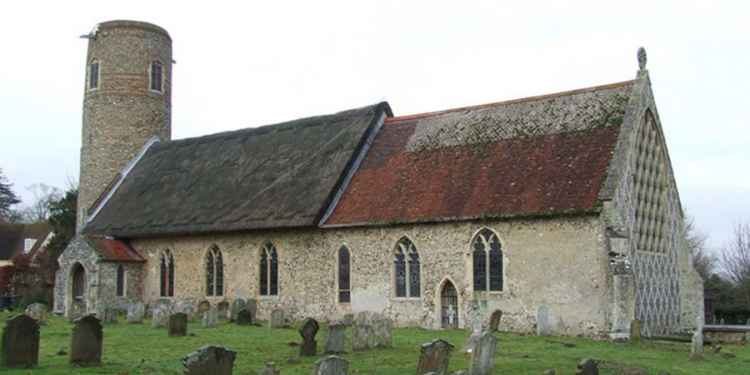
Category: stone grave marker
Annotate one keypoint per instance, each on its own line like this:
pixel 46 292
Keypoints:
pixel 210 318
pixel 542 321
pixel 269 369
pixel 474 316
pixel 277 319
pixel 209 360
pixel 483 356
pixel 203 306
pixel 109 315
pixel 587 367
pixel 185 307
pixel 495 320
pixel 371 330
pixel 308 331
pixel 331 365
pixel 252 305
pixel 434 357
pixel 237 306
pixel 20 344
pixel 136 312
pixel 160 316
pixel 635 330
pixel 336 340
pixel 223 310
pixel 86 342
pixel 383 330
pixel 244 318
pixel 696 346
pixel 177 325
pixel 38 312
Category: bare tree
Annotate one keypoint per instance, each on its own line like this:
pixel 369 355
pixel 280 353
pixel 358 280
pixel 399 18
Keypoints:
pixel 43 196
pixel 703 261
pixel 735 260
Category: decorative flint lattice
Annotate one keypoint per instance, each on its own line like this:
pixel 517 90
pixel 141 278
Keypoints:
pixel 654 218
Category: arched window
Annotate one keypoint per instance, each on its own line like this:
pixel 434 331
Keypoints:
pixel 488 261
pixel 94 74
pixel 120 280
pixel 269 271
pixel 156 76
pixel 79 281
pixel 214 272
pixel 166 274
pixel 344 275
pixel 406 264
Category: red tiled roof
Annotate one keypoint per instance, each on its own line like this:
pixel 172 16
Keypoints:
pixel 115 250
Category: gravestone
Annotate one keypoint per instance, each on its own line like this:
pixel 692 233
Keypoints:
pixel 109 315
pixel 223 310
pixel 336 340
pixel 371 330
pixel 210 318
pixel 587 367
pixel 383 330
pixel 86 342
pixel 483 356
pixel 244 318
pixel 185 307
pixel 331 365
pixel 160 316
pixel 474 316
pixel 252 305
pixel 269 369
pixel 277 319
pixel 542 321
pixel 38 312
pixel 20 344
pixel 177 325
pixel 434 358
pixel 308 331
pixel 136 312
pixel 237 306
pixel 209 360
pixel 635 330
pixel 696 344
pixel 203 306
pixel 495 320
pixel 348 319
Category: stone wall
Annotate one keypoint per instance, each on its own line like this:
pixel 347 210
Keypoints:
pixel 78 251
pixel 108 285
pixel 560 263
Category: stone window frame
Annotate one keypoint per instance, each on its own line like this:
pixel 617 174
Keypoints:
pixel 408 293
pixel 75 286
pixel 166 287
pixel 151 65
pixel 89 76
pixel 214 260
pixel 503 257
pixel 338 274
pixel 268 251
pixel 120 270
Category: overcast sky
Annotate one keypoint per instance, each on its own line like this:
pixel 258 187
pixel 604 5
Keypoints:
pixel 263 62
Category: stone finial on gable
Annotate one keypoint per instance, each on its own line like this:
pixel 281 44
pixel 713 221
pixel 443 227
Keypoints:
pixel 642 58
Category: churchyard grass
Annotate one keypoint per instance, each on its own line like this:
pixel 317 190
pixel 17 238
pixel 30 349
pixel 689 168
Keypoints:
pixel 139 349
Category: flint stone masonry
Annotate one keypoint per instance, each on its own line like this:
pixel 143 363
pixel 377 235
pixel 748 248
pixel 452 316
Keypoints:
pixel 434 358
pixel 210 360
pixel 336 340
pixel 331 365
pixel 86 342
pixel 177 325
pixel 20 343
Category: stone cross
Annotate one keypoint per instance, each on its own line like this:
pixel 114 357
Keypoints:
pixel 20 343
pixel 542 321
pixel 86 342
pixel 331 365
pixel 483 356
pixel 209 360
pixel 277 319
pixel 336 339
pixel 434 358
pixel 136 312
pixel 210 318
pixel 587 367
pixel 237 306
pixel 244 318
pixel 177 325
pixel 495 320
pixel 308 331
pixel 38 312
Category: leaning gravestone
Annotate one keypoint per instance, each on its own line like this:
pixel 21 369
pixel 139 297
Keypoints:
pixel 38 312
pixel 434 357
pixel 223 309
pixel 495 320
pixel 177 325
pixel 210 318
pixel 309 329
pixel 20 345
pixel 331 365
pixel 136 312
pixel 203 306
pixel 209 360
pixel 277 319
pixel 542 321
pixel 237 306
pixel 244 318
pixel 86 343
pixel 160 316
pixel 483 356
pixel 587 367
pixel 336 340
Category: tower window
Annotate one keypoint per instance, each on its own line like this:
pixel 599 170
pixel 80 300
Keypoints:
pixel 156 76
pixel 94 75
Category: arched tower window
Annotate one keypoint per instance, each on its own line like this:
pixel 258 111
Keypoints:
pixel 344 275
pixel 120 280
pixel 156 76
pixel 487 255
pixel 94 75
pixel 214 272
pixel 166 274
pixel 79 281
pixel 269 271
pixel 407 269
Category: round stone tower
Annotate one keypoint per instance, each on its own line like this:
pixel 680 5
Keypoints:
pixel 127 101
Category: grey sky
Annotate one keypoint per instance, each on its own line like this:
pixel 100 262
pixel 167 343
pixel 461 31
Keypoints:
pixel 263 62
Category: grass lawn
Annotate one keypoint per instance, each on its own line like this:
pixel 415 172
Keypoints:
pixel 140 349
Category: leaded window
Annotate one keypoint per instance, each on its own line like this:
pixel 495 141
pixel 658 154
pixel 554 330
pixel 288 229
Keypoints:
pixel 214 272
pixel 269 271
pixel 344 275
pixel 487 256
pixel 120 280
pixel 156 76
pixel 94 75
pixel 166 274
pixel 407 269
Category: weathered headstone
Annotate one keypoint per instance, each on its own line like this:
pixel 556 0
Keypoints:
pixel 252 305
pixel 223 309
pixel 269 369
pixel 160 316
pixel 331 365
pixel 635 330
pixel 244 318
pixel 237 306
pixel 203 306
pixel 185 307
pixel 209 360
pixel 371 330
pixel 210 318
pixel 86 342
pixel 109 315
pixel 20 344
pixel 336 340
pixel 474 316
pixel 495 320
pixel 483 356
pixel 587 367
pixel 277 319
pixel 434 358
pixel 136 312
pixel 38 312
pixel 308 331
pixel 177 325
pixel 542 321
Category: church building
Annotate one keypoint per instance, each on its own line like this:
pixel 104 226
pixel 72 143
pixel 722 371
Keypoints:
pixel 561 207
